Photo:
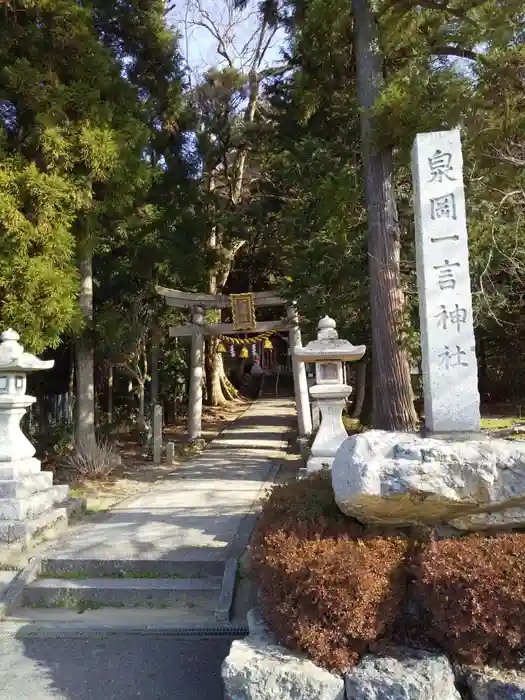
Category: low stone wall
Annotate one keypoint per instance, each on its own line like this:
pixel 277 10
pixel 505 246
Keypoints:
pixel 258 668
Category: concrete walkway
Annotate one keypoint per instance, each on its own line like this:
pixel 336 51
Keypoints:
pixel 193 523
pixel 197 512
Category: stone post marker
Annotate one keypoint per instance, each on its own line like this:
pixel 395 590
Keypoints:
pixel 450 378
pixel 330 391
pixel 157 433
pixel 26 493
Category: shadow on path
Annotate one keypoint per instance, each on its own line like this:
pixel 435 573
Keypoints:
pixel 122 667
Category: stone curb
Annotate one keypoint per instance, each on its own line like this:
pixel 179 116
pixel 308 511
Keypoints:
pixel 229 579
pixel 15 590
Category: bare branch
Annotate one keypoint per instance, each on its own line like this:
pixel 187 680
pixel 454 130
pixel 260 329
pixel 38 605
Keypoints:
pixel 513 154
pixel 455 51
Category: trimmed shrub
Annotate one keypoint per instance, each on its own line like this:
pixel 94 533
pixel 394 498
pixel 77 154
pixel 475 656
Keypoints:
pixel 332 588
pixel 472 592
pixel 329 587
pixel 95 462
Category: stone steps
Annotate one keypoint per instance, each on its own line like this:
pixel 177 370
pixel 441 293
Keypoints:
pixel 197 590
pixel 31 506
pixel 193 565
pixel 121 592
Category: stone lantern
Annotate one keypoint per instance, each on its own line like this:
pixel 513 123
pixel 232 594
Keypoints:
pixel 330 390
pixel 26 493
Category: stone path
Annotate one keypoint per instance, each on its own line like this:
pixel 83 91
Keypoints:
pixel 174 548
pixel 198 510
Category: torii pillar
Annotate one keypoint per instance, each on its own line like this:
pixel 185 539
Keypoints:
pixel 196 374
pixel 302 400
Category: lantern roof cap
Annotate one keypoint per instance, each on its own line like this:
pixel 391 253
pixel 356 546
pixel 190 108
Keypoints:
pixel 13 358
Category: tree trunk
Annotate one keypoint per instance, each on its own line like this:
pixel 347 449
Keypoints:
pixel 214 371
pixel 483 375
pixel 85 365
pixel 71 385
pixel 110 394
pixel 214 366
pixel 142 406
pixel 155 352
pixel 393 406
pixel 360 388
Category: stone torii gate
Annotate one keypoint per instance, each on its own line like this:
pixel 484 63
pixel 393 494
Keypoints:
pixel 197 303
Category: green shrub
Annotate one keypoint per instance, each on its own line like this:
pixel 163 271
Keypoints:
pixel 328 586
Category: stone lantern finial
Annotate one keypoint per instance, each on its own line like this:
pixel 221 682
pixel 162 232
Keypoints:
pixel 13 358
pixel 327 329
pixel 10 348
pixel 9 334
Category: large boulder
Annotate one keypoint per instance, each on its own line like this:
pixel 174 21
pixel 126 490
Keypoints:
pixel 257 668
pixel 401 479
pixel 495 684
pixel 405 675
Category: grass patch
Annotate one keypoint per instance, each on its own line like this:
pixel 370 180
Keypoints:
pixel 496 423
pixel 353 425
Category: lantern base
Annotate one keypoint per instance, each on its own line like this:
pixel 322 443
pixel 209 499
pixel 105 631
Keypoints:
pixel 26 494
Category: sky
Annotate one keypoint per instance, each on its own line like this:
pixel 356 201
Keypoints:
pixel 199 46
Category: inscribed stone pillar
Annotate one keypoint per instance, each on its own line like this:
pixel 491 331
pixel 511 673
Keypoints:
pixel 302 401
pixel 450 378
pixel 196 362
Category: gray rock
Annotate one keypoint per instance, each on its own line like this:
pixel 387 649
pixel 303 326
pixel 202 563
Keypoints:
pixel 258 626
pixel 401 479
pixel 258 670
pixel 407 675
pixel 492 684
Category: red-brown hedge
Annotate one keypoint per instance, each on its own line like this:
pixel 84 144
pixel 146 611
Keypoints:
pixel 472 590
pixel 332 588
pixel 328 587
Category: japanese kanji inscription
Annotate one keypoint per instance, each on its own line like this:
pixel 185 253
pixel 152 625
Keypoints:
pixel 449 364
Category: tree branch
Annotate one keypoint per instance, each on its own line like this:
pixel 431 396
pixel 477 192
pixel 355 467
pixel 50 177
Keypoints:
pixel 440 6
pixel 455 51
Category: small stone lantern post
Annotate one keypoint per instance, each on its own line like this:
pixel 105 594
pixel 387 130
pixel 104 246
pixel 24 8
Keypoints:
pixel 26 493
pixel 330 391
